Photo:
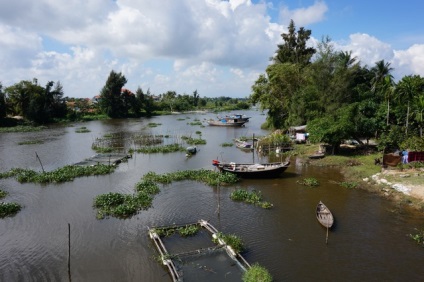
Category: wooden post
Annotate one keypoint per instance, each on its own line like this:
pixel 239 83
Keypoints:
pixel 39 161
pixel 69 252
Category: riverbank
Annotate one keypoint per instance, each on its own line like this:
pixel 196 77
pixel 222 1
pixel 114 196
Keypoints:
pixel 404 186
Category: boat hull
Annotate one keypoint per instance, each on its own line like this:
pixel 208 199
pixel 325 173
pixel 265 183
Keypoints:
pixel 227 124
pixel 324 215
pixel 270 170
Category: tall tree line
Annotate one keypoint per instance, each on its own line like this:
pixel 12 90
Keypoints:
pixel 335 96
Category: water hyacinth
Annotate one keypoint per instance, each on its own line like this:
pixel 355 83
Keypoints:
pixel 209 177
pixel 254 197
pixel 8 209
pixel 63 174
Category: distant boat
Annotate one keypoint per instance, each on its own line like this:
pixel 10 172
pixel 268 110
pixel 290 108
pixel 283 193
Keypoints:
pixel 243 145
pixel 266 170
pixel 237 116
pixel 324 215
pixel 227 121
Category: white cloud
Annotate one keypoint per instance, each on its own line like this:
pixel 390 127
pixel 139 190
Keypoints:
pixel 410 61
pixel 304 16
pixel 367 49
pixel 217 47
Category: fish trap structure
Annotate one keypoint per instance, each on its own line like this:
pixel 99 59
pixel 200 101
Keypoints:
pixel 106 159
pixel 214 262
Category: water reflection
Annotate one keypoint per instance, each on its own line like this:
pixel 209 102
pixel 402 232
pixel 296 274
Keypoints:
pixel 369 242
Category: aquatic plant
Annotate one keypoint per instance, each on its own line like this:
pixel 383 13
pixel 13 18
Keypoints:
pixel 254 197
pixel 3 194
pixel 31 142
pixel 22 128
pixel 160 149
pixel 349 185
pixel 189 230
pixel 153 124
pixel 418 237
pixel 209 177
pixel 8 209
pixel 120 205
pixel 82 130
pixel 257 273
pixel 309 181
pixel 227 144
pixel 63 174
pixel 231 240
pixel 147 186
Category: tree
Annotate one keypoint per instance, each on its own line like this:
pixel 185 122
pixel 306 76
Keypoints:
pixel 294 49
pixel 275 91
pixel 382 84
pixel 2 102
pixel 408 87
pixel 419 112
pixel 110 96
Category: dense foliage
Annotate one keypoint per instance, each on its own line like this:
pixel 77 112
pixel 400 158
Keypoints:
pixel 257 273
pixel 335 96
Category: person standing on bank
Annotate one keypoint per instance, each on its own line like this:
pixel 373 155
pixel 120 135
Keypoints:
pixel 405 156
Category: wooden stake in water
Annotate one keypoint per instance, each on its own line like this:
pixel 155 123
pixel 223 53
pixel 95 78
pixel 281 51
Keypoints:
pixel 69 252
pixel 39 161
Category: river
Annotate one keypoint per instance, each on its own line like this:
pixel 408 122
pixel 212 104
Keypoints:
pixel 369 241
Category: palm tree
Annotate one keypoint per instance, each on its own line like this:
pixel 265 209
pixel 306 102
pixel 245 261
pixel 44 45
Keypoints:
pixel 387 89
pixel 381 70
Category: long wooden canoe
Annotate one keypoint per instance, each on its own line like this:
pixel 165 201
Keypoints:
pixel 324 215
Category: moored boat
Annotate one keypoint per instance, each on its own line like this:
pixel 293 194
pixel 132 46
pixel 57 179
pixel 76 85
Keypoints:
pixel 227 121
pixel 324 215
pixel 252 170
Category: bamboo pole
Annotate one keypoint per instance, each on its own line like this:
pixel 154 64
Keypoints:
pixel 39 161
pixel 69 252
pixel 326 238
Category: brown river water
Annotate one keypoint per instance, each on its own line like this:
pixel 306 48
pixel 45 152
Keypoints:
pixel 369 241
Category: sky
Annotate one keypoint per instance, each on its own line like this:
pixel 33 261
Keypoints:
pixel 217 48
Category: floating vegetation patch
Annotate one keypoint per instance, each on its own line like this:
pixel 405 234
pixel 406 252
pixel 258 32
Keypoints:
pixel 180 118
pixel 184 231
pixel 257 273
pixel 227 144
pixel 9 209
pixel 309 181
pixel 120 205
pixel 349 185
pixel 254 197
pixel 63 174
pixel 3 194
pixel 124 206
pixel 195 122
pixel 232 240
pixel 22 128
pixel 193 141
pixel 82 130
pixel 31 142
pixel 209 177
pixel 102 149
pixel 159 149
pixel 199 132
pixel 153 124
pixel 418 237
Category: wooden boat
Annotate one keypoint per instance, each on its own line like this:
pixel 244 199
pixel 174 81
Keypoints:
pixel 267 170
pixel 237 116
pixel 227 121
pixel 324 215
pixel 243 145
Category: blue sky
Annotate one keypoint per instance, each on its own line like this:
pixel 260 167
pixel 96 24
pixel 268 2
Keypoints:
pixel 218 48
